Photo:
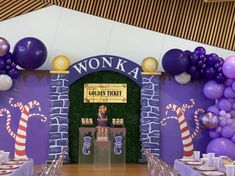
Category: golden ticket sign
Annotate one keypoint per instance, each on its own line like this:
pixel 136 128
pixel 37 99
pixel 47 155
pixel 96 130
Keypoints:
pixel 105 93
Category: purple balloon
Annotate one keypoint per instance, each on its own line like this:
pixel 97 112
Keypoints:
pixel 222 147
pixel 227 131
pixel 233 86
pixel 218 129
pixel 193 72
pixel 209 120
pixel 229 121
pixel 214 134
pixel 13 65
pixel 199 64
pixel 228 82
pixel 8 67
pixel 225 105
pixel 3 63
pixel 209 73
pixel 187 52
pixel 223 123
pixel 220 78
pixel 233 139
pixel 214 109
pixel 213 90
pixel 229 67
pixel 175 62
pixel 232 113
pixel 30 53
pixel 4 47
pixel 2 71
pixel 200 50
pixel 14 73
pixel 229 93
pixel 194 58
pixel 212 59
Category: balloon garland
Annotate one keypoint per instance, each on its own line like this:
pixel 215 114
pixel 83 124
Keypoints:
pixel 219 119
pixel 8 70
pixel 29 53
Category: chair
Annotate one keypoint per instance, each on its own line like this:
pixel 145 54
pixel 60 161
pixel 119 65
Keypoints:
pixel 157 167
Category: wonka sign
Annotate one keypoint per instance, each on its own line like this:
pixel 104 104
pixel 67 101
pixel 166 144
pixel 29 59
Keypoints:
pixel 105 63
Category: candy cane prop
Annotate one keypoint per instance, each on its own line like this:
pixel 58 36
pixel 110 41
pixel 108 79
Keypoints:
pixel 163 121
pixel 16 105
pixel 20 141
pixel 184 130
pixel 8 123
pixel 196 119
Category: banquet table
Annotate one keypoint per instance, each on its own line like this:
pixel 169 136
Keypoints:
pixel 25 169
pixel 187 170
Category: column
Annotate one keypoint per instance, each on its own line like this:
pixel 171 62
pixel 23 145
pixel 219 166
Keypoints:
pixel 150 108
pixel 59 101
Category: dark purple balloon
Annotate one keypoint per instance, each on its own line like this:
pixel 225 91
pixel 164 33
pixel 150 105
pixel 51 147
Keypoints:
pixel 202 56
pixel 14 73
pixel 187 52
pixel 200 50
pixel 30 53
pixel 194 58
pixel 3 63
pixel 8 67
pixel 209 73
pixel 199 64
pixel 9 61
pixel 220 78
pixel 2 71
pixel 13 65
pixel 211 59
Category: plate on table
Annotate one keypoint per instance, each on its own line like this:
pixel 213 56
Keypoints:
pixel 21 159
pixel 203 168
pixel 213 173
pixel 197 163
pixel 8 167
pixel 186 160
pixel 5 172
pixel 13 162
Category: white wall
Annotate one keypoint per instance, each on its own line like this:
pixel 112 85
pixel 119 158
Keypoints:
pixel 80 35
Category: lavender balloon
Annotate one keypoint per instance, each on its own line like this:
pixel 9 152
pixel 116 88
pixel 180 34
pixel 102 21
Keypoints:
pixel 222 147
pixel 4 47
pixel 225 104
pixel 213 90
pixel 227 131
pixel 229 67
pixel 214 134
pixel 229 93
pixel 228 82
pixel 233 139
pixel 214 109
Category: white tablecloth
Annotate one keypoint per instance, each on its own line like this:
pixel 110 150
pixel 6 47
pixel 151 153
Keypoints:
pixel 25 169
pixel 185 170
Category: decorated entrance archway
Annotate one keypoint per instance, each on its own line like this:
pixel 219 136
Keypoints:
pixel 147 78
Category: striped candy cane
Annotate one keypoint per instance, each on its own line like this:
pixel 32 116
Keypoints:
pixel 196 119
pixel 16 105
pixel 8 123
pixel 184 130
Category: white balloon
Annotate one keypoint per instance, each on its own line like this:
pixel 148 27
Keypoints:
pixel 183 78
pixel 5 82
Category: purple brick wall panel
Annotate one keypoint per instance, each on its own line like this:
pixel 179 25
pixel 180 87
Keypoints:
pixel 150 110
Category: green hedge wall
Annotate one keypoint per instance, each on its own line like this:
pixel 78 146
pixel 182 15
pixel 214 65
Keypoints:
pixel 130 111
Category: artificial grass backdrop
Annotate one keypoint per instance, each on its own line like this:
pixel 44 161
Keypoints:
pixel 129 111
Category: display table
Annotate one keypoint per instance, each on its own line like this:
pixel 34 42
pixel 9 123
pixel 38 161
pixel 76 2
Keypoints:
pixel 188 170
pixel 93 151
pixel 25 169
pixel 185 170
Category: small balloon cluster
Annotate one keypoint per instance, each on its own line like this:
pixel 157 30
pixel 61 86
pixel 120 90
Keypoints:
pixel 185 65
pixel 29 53
pixel 8 70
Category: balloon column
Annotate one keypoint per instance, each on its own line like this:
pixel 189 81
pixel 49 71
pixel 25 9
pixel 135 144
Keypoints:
pixel 8 70
pixel 220 87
